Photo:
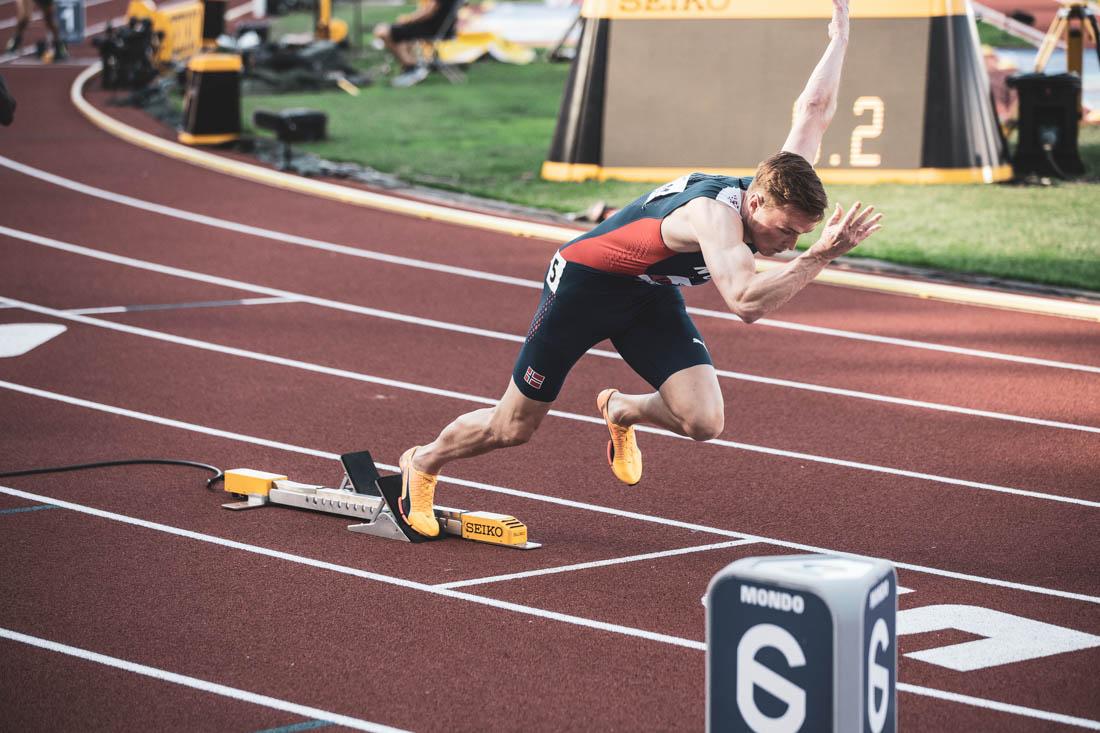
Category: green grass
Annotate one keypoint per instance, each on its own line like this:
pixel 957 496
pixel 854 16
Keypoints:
pixel 997 38
pixel 488 137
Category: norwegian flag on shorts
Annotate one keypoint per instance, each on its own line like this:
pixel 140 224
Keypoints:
pixel 533 378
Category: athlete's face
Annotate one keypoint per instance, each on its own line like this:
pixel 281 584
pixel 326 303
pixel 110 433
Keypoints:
pixel 775 229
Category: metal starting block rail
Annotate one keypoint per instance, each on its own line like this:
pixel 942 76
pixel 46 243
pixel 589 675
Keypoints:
pixel 372 498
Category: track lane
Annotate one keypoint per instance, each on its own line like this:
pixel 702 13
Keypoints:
pixel 630 594
pixel 99 488
pixel 311 217
pixel 781 494
pixel 887 369
pixel 994 452
pixel 576 535
pixel 99 698
pixel 162 600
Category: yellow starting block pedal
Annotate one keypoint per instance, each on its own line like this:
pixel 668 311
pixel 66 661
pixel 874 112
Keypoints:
pixel 372 498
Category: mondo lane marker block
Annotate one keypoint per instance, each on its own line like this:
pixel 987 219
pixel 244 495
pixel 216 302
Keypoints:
pixel 817 633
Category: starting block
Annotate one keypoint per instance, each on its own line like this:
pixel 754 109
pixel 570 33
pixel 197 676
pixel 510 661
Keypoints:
pixel 368 496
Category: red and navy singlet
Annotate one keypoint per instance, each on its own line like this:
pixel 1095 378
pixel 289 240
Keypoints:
pixel 630 242
pixel 600 286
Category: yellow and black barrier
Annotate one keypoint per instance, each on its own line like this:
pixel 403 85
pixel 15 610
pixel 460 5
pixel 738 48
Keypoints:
pixel 180 23
pixel 212 102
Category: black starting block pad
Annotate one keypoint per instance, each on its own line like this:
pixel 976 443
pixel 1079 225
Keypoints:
pixel 365 479
pixel 367 495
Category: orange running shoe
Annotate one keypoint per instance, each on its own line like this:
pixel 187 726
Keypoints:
pixel 417 496
pixel 622 450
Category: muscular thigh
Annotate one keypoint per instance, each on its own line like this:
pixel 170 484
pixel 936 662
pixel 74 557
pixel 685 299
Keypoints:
pixel 693 394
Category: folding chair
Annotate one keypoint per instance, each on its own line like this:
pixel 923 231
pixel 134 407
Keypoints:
pixel 429 49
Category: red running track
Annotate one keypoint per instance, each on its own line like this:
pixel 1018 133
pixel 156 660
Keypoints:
pixel 989 517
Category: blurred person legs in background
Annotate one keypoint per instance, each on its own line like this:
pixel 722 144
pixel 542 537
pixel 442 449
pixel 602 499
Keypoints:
pixel 429 21
pixel 23 18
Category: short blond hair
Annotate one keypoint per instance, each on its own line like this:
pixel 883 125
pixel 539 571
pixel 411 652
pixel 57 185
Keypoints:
pixel 788 179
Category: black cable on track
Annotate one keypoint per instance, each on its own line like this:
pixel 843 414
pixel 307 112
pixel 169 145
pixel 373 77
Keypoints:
pixel 218 474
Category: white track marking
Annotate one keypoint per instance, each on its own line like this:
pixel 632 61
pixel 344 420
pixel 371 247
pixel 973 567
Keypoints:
pixel 458 595
pixel 175 306
pixel 504 279
pixel 197 684
pixel 17 339
pixel 372 576
pixel 224 349
pixel 724 373
pixel 261 232
pixel 611 511
pixel 594 564
pixel 284 295
pixel 958 350
pixel 937 406
pixel 241 285
pixel 1002 707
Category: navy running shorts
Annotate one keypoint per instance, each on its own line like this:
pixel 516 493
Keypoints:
pixel 647 324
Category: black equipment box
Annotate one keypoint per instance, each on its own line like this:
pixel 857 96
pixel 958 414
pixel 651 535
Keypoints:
pixel 293 125
pixel 212 102
pixel 1049 120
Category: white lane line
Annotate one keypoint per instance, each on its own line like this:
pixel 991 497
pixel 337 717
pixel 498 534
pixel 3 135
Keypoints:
pixel 871 396
pixel 1002 707
pixel 492 603
pixel 224 349
pixel 198 684
pixel 175 306
pixel 957 350
pixel 261 232
pixel 373 576
pixel 594 564
pixel 279 294
pixel 491 277
pixel 596 508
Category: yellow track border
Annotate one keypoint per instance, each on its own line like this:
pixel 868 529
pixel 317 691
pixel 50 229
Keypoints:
pixel 489 222
pixel 576 172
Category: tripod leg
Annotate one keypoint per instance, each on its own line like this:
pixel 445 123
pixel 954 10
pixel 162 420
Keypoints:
pixel 1093 30
pixel 1050 41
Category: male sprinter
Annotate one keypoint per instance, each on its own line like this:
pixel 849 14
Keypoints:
pixel 618 282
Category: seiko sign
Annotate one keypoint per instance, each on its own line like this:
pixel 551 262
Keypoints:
pixel 483 529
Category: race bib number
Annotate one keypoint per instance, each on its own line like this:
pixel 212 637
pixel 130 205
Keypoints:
pixel 553 276
pixel 669 188
pixel 731 197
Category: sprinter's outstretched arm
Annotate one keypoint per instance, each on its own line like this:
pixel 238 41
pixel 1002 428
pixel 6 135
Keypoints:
pixel 752 295
pixel 816 105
